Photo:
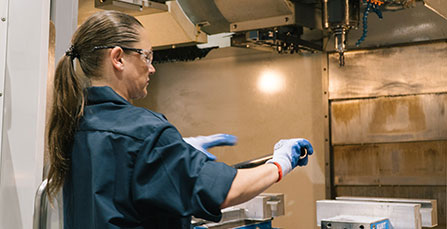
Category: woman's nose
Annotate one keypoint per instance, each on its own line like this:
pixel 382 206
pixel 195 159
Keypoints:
pixel 151 69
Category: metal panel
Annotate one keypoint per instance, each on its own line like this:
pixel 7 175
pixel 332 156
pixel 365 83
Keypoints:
pixel 171 28
pixel 264 206
pixel 288 19
pixel 217 15
pixel 24 110
pixel 246 10
pixel 389 119
pixel 438 6
pixel 133 7
pixel 328 158
pixel 401 216
pixel 390 71
pixel 166 28
pixel 415 163
pixel 201 11
pixel 261 208
pixel 3 41
pixel 428 209
pixel 415 192
pixel 409 25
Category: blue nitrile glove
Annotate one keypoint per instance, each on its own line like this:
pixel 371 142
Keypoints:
pixel 202 143
pixel 287 154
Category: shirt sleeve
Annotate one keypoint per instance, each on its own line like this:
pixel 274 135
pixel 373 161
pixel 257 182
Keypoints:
pixel 173 178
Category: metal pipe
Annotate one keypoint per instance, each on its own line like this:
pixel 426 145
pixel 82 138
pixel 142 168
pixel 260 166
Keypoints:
pixel 40 207
pixel 262 160
pixel 253 163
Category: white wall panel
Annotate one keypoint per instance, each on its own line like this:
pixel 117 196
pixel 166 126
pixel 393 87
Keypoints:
pixel 3 37
pixel 23 110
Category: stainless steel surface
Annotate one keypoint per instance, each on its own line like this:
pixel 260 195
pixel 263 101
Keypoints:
pixel 200 11
pixel 134 7
pixel 401 216
pixel 437 6
pixel 389 71
pixel 229 215
pixel 406 164
pixel 262 208
pixel 400 94
pixel 172 28
pixel 428 208
pixel 40 207
pixel 237 15
pixel 408 25
pixel 399 191
pixel 388 180
pixel 246 10
pixel 389 119
pixel 405 26
pixel 286 19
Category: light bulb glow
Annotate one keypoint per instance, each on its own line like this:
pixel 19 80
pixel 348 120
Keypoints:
pixel 270 82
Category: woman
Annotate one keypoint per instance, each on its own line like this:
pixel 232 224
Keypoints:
pixel 122 166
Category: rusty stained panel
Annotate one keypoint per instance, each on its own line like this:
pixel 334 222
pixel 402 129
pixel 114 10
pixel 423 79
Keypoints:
pixel 411 163
pixel 438 193
pixel 389 119
pixel 389 71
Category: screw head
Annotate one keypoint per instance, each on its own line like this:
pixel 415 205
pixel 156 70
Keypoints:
pixel 3 19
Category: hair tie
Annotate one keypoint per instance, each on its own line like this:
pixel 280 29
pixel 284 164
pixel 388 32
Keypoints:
pixel 72 52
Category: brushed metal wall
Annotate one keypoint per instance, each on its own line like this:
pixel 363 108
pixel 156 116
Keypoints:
pixel 388 123
pixel 259 97
pixel 389 119
pixel 409 70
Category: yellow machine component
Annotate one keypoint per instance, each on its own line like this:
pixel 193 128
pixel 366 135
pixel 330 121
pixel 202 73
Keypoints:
pixel 376 2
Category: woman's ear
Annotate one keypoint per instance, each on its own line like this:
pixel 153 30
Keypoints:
pixel 116 56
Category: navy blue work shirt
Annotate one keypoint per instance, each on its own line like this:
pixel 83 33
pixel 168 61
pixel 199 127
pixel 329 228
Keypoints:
pixel 130 168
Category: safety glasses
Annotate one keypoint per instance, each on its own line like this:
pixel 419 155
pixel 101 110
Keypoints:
pixel 147 54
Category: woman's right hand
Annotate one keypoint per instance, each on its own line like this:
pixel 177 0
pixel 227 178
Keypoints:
pixel 289 153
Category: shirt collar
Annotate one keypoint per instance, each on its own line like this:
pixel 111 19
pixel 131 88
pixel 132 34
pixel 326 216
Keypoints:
pixel 104 94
